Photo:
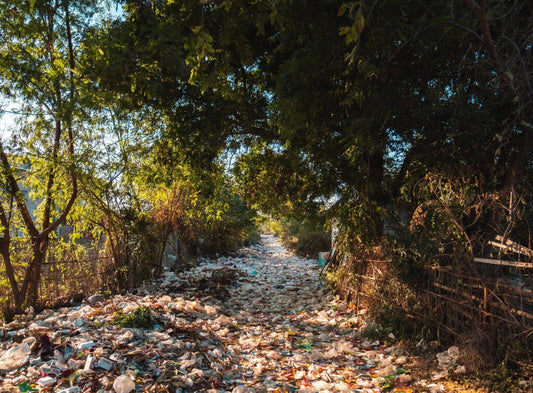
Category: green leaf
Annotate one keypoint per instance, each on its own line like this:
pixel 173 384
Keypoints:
pixel 344 30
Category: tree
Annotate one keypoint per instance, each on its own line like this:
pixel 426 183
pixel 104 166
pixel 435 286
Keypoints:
pixel 38 68
pixel 193 66
pixel 413 89
pixel 355 103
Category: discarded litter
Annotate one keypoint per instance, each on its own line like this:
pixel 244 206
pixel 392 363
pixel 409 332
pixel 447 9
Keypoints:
pixel 73 389
pixel 88 363
pixel 105 363
pixel 26 387
pixel 323 257
pixel 86 344
pixel 123 384
pixel 46 381
pixel 260 321
pixel 15 357
pixel 449 357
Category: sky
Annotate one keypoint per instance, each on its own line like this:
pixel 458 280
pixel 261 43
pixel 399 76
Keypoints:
pixel 7 119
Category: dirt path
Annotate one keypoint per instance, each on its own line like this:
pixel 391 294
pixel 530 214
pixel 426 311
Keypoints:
pixel 260 321
pixel 293 335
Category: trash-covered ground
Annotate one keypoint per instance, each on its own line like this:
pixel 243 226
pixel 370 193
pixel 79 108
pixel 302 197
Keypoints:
pixel 257 322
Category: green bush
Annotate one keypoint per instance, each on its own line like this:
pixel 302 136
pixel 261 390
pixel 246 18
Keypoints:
pixel 138 318
pixel 306 238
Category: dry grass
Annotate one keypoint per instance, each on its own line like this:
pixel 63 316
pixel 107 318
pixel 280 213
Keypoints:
pixel 476 351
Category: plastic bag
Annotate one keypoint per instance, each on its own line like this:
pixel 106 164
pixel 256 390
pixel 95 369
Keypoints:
pixel 15 357
pixel 123 384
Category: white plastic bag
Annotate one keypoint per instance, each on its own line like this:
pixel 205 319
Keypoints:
pixel 123 384
pixel 15 357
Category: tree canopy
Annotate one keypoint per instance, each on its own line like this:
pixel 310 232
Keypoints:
pixel 352 103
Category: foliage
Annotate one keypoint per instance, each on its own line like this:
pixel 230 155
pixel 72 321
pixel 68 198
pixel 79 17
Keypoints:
pixel 207 218
pixel 182 117
pixel 41 161
pixel 141 317
pixel 306 238
pixel 218 282
pixel 440 231
pixel 85 153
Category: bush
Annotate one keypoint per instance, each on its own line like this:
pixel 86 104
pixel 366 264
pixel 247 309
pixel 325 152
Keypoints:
pixel 138 318
pixel 307 238
pixel 205 221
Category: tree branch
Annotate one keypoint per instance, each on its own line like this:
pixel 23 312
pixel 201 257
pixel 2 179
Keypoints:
pixel 17 194
pixel 479 10
pixel 51 175
pixel 70 134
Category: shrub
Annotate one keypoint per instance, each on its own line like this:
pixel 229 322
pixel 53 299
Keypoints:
pixel 138 318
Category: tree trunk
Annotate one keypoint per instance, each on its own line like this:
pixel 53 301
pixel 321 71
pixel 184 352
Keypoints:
pixel 375 194
pixel 9 309
pixel 29 293
pixel 39 256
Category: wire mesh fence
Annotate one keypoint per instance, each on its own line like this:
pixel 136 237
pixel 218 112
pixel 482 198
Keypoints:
pixel 67 279
pixel 63 280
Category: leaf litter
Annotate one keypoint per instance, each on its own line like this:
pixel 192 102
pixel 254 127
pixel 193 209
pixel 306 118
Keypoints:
pixel 261 321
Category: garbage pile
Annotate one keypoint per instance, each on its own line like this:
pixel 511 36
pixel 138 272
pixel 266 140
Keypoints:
pixel 257 322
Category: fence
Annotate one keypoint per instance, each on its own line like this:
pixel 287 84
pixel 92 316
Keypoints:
pixel 67 279
pixel 484 302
